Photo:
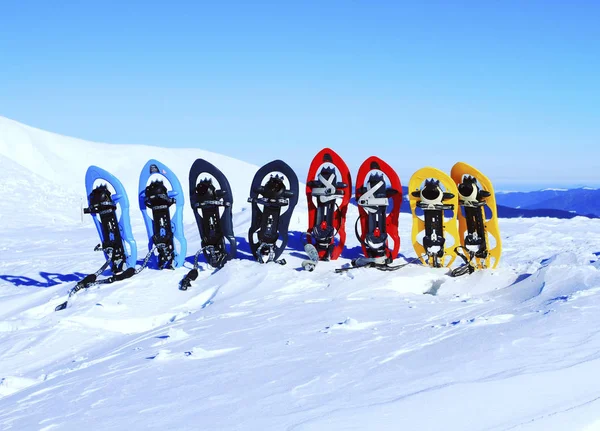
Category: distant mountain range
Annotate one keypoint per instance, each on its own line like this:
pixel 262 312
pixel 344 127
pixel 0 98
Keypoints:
pixel 564 204
pixel 582 201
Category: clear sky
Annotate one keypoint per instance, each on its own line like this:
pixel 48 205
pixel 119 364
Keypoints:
pixel 512 87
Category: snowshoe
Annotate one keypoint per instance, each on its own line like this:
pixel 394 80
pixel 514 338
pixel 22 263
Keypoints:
pixel 434 206
pixel 328 191
pixel 379 197
pixel 479 235
pixel 110 211
pixel 109 206
pixel 211 199
pixel 273 194
pixel 164 228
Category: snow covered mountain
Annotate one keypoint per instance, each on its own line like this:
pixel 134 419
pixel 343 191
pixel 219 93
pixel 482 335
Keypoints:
pixel 582 201
pixel 270 347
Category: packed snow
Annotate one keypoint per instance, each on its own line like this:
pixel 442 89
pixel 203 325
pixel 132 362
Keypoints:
pixel 271 347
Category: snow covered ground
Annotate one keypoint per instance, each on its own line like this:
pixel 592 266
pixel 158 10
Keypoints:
pixel 270 347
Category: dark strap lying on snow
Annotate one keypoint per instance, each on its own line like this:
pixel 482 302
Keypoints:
pixel 91 279
pixel 186 283
pixel 368 263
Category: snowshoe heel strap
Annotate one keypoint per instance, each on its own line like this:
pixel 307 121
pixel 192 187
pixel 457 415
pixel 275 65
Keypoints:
pixel 90 278
pixel 128 273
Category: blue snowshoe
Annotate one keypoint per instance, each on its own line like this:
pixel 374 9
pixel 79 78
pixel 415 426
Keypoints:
pixel 110 211
pixel 165 230
pixel 109 206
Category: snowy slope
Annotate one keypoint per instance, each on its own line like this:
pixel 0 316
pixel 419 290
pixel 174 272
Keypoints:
pixel 63 161
pixel 270 347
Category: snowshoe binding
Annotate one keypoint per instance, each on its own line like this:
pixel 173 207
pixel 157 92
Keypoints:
pixel 481 245
pixel 379 197
pixel 211 200
pixel 328 191
pixel 273 202
pixel 434 205
pixel 165 231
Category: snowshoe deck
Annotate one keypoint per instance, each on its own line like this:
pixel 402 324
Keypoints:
pixel 212 200
pixel 328 192
pixel 155 201
pixel 273 203
pixel 110 212
pixel 434 193
pixel 379 208
pixel 476 231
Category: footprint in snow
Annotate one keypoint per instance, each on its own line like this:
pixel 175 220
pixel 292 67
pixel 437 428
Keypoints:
pixel 174 334
pixel 483 320
pixel 194 353
pixel 350 324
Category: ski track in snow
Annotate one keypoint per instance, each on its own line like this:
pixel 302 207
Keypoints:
pixel 258 347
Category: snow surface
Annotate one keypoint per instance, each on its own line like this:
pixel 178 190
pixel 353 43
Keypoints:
pixel 270 347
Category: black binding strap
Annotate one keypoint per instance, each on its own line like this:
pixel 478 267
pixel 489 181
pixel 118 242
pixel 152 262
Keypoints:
pixel 273 196
pixel 323 231
pixel 467 268
pixel 101 204
pixel 158 200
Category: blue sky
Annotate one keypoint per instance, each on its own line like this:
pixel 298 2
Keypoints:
pixel 511 87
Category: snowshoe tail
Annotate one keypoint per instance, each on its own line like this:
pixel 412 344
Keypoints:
pixel 211 199
pixel 156 202
pixel 328 192
pixel 434 206
pixel 273 203
pixel 312 252
pixel 379 197
pixel 313 257
pixel 479 234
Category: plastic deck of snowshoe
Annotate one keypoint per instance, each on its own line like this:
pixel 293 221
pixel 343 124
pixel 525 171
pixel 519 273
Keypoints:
pixel 274 167
pixel 205 213
pixel 391 223
pixel 155 167
pixel 449 226
pixel 327 155
pixel 460 170
pixel 120 199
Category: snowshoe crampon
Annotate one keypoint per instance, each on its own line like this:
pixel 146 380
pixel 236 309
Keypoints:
pixel 212 200
pixel 161 203
pixel 478 228
pixel 328 191
pixel 434 206
pixel 379 197
pixel 273 195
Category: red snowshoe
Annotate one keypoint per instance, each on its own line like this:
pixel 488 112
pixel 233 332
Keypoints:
pixel 328 191
pixel 379 196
